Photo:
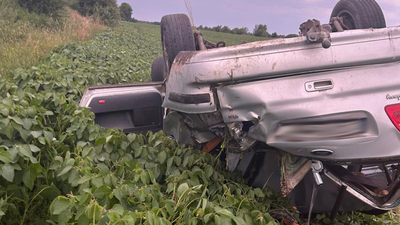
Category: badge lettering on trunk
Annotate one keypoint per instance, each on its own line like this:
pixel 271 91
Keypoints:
pixel 390 97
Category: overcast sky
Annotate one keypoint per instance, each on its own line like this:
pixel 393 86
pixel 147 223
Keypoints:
pixel 281 16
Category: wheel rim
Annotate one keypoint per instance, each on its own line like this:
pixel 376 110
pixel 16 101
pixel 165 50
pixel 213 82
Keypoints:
pixel 348 19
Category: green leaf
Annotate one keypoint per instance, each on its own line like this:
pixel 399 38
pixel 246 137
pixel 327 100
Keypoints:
pixel 36 134
pixel 258 192
pixel 17 120
pixel 48 135
pixel 102 192
pixel 97 181
pixel 118 209
pixel 162 156
pixel 109 147
pixel 84 179
pixel 207 217
pixel 94 211
pixel 182 188
pixel 9 132
pixel 28 178
pixel 64 171
pixel 4 111
pixel 7 171
pixel 217 220
pixel 36 168
pixel 42 140
pixel 178 160
pixel 59 205
pixel 226 213
pixel 64 217
pixel 31 112
pixel 109 138
pixel 27 123
pixel 5 157
pixel 93 136
pixel 144 177
pixel 131 137
pixel 138 152
pixel 209 171
pixel 34 148
pixel 124 145
pixel 169 162
pixel 25 134
pixel 100 141
pixel 25 150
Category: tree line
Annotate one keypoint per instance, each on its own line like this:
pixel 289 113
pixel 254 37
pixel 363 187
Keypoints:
pixel 260 30
pixel 108 12
pixel 105 11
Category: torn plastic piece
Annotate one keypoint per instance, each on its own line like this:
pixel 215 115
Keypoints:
pixel 293 170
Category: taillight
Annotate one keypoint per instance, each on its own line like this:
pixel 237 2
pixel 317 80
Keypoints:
pixel 393 111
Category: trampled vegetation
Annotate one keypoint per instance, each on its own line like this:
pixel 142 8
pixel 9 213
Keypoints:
pixel 58 167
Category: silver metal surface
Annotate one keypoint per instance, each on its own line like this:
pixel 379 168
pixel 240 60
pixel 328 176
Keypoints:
pixel 317 167
pixel 121 89
pixel 198 72
pixel 348 119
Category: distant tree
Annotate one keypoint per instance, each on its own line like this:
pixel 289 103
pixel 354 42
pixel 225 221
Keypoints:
pixel 200 27
pixel 217 28
pixel 126 11
pixel 226 29
pixel 274 35
pixel 106 11
pixel 242 30
pixel 260 30
pixel 291 35
pixel 53 8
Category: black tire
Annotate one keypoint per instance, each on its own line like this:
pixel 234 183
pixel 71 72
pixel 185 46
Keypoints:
pixel 360 14
pixel 157 69
pixel 176 36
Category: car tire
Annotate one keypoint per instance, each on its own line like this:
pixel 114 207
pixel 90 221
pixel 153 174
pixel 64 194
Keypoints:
pixel 157 69
pixel 176 36
pixel 360 14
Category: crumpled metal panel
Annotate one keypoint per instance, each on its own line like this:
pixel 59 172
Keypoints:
pixel 174 126
pixel 348 119
pixel 187 129
pixel 198 72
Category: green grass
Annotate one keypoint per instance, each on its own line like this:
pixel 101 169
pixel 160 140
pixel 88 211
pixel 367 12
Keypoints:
pixel 229 39
pixel 211 36
pixel 26 37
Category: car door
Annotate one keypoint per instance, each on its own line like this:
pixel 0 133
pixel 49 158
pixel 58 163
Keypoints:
pixel 132 107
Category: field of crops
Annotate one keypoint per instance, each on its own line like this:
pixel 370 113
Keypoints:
pixel 58 167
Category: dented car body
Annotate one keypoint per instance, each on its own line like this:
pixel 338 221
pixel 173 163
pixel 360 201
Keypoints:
pixel 297 112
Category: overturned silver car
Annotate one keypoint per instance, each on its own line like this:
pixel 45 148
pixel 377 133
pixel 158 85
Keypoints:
pixel 316 112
